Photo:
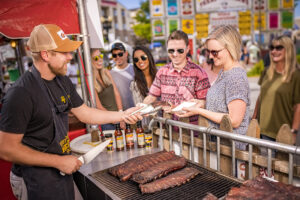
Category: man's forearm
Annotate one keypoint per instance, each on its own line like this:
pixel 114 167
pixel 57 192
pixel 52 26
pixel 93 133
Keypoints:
pixel 149 99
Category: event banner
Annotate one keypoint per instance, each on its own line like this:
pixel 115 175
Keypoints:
pixel 223 18
pixel 260 5
pixel 187 7
pixel 287 19
pixel 259 21
pixel 173 25
pixel 273 4
pixel 157 8
pixel 188 26
pixel 172 7
pixel 221 5
pixel 158 28
pixel 273 20
pixel 287 3
pixel 202 22
pixel 245 22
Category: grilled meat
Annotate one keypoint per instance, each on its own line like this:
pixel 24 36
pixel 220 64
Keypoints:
pixel 159 170
pixel 135 165
pixel 176 179
pixel 260 188
pixel 210 196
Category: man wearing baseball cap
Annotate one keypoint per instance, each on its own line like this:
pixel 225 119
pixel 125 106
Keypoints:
pixel 34 119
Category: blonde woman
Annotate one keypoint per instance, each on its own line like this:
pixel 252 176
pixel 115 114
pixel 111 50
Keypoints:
pixel 107 94
pixel 229 95
pixel 279 100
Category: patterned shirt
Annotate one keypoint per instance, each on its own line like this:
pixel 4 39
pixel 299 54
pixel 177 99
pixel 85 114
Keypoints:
pixel 230 85
pixel 177 86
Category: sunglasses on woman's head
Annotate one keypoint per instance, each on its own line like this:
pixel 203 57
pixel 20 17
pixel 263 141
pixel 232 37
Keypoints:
pixel 214 52
pixel 278 47
pixel 114 55
pixel 143 58
pixel 96 58
pixel 180 51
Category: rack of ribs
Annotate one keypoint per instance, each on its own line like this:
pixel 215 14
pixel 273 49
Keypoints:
pixel 176 179
pixel 159 170
pixel 138 164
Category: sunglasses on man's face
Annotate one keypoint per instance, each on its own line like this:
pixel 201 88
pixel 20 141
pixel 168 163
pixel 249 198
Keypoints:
pixel 172 51
pixel 143 58
pixel 114 55
pixel 278 47
pixel 214 52
pixel 98 57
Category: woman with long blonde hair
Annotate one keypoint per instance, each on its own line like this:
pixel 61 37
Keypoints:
pixel 279 100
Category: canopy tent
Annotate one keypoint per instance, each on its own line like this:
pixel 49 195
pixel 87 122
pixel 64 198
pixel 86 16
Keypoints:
pixel 18 17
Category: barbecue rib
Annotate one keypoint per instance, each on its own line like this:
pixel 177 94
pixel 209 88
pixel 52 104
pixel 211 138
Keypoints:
pixel 260 188
pixel 159 170
pixel 176 179
pixel 135 165
pixel 210 196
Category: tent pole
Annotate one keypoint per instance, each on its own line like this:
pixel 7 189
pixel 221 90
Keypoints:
pixel 86 52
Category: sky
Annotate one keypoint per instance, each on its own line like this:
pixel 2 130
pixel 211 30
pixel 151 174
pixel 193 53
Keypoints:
pixel 136 3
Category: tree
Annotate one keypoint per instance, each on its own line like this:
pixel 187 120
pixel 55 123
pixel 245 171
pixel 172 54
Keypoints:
pixel 143 28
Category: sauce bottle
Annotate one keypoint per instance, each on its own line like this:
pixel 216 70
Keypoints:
pixel 148 138
pixel 110 146
pixel 140 135
pixel 129 137
pixel 119 138
pixel 102 136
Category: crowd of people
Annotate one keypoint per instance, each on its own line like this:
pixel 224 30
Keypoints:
pixel 36 139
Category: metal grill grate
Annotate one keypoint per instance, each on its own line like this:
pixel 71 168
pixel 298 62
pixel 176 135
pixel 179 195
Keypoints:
pixel 196 188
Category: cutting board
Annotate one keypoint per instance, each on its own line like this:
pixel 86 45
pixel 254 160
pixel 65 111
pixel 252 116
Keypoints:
pixel 83 144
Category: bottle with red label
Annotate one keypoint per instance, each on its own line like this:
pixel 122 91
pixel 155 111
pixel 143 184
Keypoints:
pixel 119 138
pixel 129 137
pixel 140 135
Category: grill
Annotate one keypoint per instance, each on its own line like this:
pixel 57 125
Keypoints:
pixel 197 188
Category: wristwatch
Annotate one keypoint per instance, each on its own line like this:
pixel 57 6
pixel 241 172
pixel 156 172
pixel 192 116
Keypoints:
pixel 295 131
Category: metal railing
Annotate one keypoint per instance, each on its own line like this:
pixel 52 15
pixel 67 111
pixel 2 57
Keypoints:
pixel 291 150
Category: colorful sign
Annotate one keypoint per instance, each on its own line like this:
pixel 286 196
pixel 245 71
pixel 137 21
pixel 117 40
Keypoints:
pixel 202 22
pixel 173 25
pixel 259 21
pixel 287 19
pixel 157 8
pixel 273 4
pixel 187 7
pixel 172 7
pixel 288 3
pixel 158 28
pixel 191 45
pixel 221 5
pixel 260 5
pixel 188 26
pixel 245 23
pixel 273 20
pixel 223 18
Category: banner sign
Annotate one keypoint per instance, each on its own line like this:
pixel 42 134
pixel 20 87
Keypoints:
pixel 188 26
pixel 273 4
pixel 259 23
pixel 223 18
pixel 158 28
pixel 173 25
pixel 202 22
pixel 157 8
pixel 172 7
pixel 274 20
pixel 187 7
pixel 287 19
pixel 260 5
pixel 288 4
pixel 245 23
pixel 221 5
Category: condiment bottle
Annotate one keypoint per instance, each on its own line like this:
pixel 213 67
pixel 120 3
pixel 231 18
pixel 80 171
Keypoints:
pixel 102 136
pixel 129 137
pixel 140 135
pixel 110 146
pixel 148 138
pixel 119 138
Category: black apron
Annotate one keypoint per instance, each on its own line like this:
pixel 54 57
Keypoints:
pixel 45 182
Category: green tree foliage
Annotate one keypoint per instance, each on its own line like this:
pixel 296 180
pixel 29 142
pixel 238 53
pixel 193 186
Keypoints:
pixel 143 27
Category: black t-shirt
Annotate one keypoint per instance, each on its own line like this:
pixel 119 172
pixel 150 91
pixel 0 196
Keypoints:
pixel 26 110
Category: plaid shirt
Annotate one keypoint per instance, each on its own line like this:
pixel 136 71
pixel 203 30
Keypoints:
pixel 175 87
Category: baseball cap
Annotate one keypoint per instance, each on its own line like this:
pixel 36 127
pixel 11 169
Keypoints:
pixel 118 46
pixel 50 37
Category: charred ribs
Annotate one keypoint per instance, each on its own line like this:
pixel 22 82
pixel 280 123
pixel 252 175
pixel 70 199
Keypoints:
pixel 159 170
pixel 176 179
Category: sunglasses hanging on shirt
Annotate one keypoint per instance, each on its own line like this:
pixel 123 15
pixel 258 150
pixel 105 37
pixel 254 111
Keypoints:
pixel 172 51
pixel 143 58
pixel 114 55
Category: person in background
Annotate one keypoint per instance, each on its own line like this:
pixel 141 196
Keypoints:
pixel 145 71
pixel 107 93
pixel 72 72
pixel 230 94
pixel 279 100
pixel 122 73
pixel 34 131
pixel 180 80
pixel 208 66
